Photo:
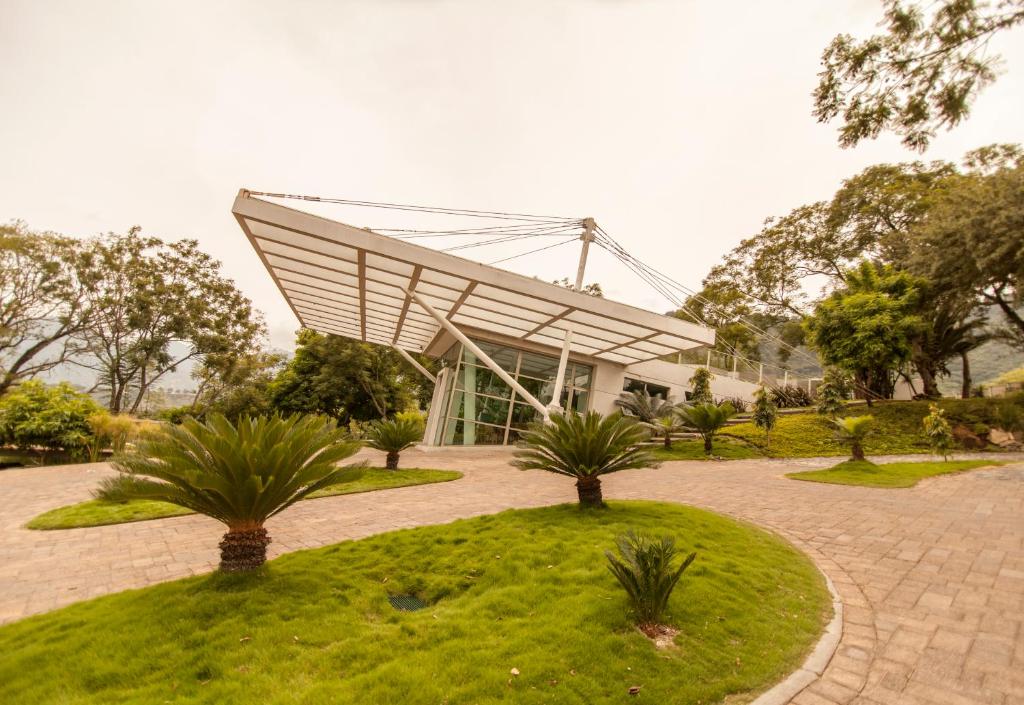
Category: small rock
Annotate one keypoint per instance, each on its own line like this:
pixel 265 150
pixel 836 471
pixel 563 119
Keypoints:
pixel 634 690
pixel 514 671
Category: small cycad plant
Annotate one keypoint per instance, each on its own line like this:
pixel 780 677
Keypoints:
pixel 646 569
pixel 853 430
pixel 937 431
pixel 393 436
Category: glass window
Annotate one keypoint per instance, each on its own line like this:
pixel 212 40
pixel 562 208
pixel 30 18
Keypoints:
pixel 479 411
pixel 461 432
pixel 636 385
pixel 541 390
pixel 523 415
pixel 538 366
pixel 482 381
pixel 484 409
pixel 580 376
pixel 579 401
pixel 505 357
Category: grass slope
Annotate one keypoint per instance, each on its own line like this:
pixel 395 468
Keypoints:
pixel 694 450
pixel 897 428
pixel 889 475
pixel 97 512
pixel 524 589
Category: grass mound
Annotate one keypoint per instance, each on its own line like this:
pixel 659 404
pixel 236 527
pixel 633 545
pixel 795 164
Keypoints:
pixel 730 449
pixel 867 474
pixel 97 512
pixel 525 590
pixel 897 427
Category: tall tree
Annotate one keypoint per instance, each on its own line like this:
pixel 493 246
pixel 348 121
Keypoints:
pixel 972 240
pixel 236 384
pixel 919 76
pixel 155 307
pixel 345 379
pixel 868 326
pixel 41 301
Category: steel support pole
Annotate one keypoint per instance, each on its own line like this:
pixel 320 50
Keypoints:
pixel 563 360
pixel 412 361
pixel 481 355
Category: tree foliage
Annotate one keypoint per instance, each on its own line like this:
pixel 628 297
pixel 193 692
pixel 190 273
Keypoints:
pixel 867 328
pixel 155 306
pixel 236 384
pixel 700 386
pixel 766 411
pixel 42 303
pixel 972 240
pixel 920 75
pixel 33 414
pixel 937 431
pixel 344 379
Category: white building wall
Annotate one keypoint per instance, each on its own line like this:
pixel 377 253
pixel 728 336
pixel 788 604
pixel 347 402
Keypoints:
pixel 609 380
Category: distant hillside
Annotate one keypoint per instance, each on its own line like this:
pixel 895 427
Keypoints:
pixel 987 363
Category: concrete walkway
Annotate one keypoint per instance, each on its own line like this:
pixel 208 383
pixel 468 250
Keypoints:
pixel 932 578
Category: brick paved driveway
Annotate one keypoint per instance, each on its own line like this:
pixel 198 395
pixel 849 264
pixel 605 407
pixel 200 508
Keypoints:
pixel 932 578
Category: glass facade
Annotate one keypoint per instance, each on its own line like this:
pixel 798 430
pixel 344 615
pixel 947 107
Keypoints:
pixel 480 409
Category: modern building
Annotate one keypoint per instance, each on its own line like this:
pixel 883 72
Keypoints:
pixel 514 348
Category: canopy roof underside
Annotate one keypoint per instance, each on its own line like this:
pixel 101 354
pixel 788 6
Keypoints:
pixel 352 282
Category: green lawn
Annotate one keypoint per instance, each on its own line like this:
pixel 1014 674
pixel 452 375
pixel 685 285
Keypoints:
pixel 97 512
pixel 524 589
pixel 867 474
pixel 897 427
pixel 694 450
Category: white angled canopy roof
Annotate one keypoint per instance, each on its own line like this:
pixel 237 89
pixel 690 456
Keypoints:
pixel 353 282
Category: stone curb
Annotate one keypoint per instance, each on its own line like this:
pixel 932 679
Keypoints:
pixel 815 664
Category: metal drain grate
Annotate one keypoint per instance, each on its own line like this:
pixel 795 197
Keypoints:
pixel 406 603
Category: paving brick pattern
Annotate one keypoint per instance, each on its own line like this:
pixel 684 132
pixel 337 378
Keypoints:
pixel 932 578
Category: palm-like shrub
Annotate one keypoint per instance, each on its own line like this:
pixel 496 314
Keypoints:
pixel 706 419
pixel 937 431
pixel 852 430
pixel 239 473
pixel 700 386
pixel 644 568
pixel 665 426
pixel 644 406
pixel 585 447
pixel 766 413
pixel 117 488
pixel 393 436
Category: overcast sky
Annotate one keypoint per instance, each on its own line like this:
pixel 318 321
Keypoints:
pixel 679 126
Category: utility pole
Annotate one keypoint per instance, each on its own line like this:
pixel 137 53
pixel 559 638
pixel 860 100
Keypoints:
pixel 556 396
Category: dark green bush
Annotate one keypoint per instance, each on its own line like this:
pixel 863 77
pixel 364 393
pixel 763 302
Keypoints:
pixel 791 397
pixel 35 415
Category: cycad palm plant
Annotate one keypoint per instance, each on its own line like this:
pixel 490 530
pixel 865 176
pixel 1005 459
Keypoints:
pixel 665 426
pixel 240 474
pixel 393 436
pixel 645 571
pixel 706 419
pixel 585 447
pixel 646 407
pixel 853 430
